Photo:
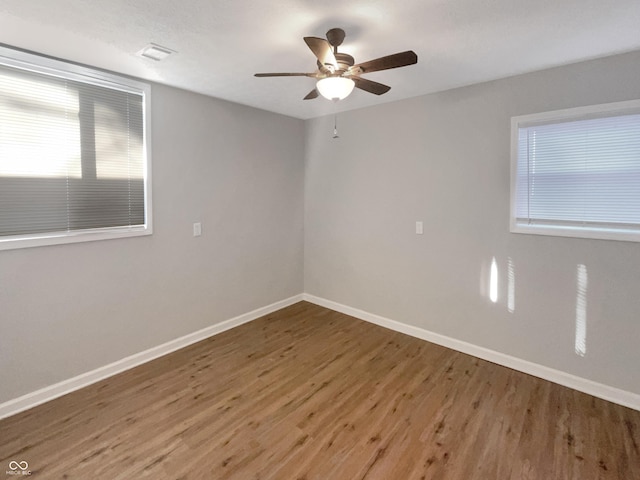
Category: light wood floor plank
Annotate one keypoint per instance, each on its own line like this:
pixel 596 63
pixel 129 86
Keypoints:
pixel 311 394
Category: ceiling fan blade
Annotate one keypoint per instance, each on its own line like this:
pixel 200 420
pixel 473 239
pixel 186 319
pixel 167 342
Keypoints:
pixel 369 86
pixel 311 95
pixel 385 63
pixel 285 75
pixel 322 50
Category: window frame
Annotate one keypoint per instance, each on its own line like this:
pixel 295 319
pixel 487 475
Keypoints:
pixel 62 69
pixel 559 116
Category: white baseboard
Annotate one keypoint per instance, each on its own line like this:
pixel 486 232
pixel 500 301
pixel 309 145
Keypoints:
pixel 45 394
pixel 606 392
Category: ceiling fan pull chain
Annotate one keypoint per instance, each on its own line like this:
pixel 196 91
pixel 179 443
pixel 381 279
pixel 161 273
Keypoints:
pixel 335 125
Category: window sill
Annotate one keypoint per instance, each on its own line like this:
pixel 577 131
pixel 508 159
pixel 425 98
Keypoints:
pixel 625 235
pixel 59 238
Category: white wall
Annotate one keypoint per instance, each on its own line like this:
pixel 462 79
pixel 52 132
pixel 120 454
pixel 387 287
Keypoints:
pixel 69 309
pixel 444 159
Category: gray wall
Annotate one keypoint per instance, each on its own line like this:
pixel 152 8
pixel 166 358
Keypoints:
pixel 444 159
pixel 68 309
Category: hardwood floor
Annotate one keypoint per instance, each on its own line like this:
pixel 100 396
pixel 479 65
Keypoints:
pixel 308 393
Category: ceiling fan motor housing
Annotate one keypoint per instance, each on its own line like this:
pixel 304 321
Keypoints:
pixel 344 61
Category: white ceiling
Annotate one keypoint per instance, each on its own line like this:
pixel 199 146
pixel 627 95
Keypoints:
pixel 222 43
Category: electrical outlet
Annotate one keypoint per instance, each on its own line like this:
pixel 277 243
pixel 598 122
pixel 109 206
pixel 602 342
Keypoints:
pixel 419 228
pixel 197 229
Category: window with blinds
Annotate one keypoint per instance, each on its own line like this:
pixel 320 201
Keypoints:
pixel 576 172
pixel 73 156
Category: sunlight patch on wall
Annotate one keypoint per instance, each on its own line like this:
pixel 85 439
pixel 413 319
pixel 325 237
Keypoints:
pixel 581 310
pixel 493 281
pixel 511 286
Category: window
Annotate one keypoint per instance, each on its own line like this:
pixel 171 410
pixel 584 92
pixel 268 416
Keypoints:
pixel 576 172
pixel 74 162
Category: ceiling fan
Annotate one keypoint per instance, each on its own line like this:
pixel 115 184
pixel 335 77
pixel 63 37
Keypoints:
pixel 338 73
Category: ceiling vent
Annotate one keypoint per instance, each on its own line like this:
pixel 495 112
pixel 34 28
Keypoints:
pixel 155 52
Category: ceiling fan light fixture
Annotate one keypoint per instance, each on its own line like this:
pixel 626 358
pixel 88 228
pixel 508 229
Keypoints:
pixel 335 88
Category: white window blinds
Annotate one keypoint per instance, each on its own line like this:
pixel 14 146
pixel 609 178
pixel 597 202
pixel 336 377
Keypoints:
pixel 72 154
pixel 579 177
